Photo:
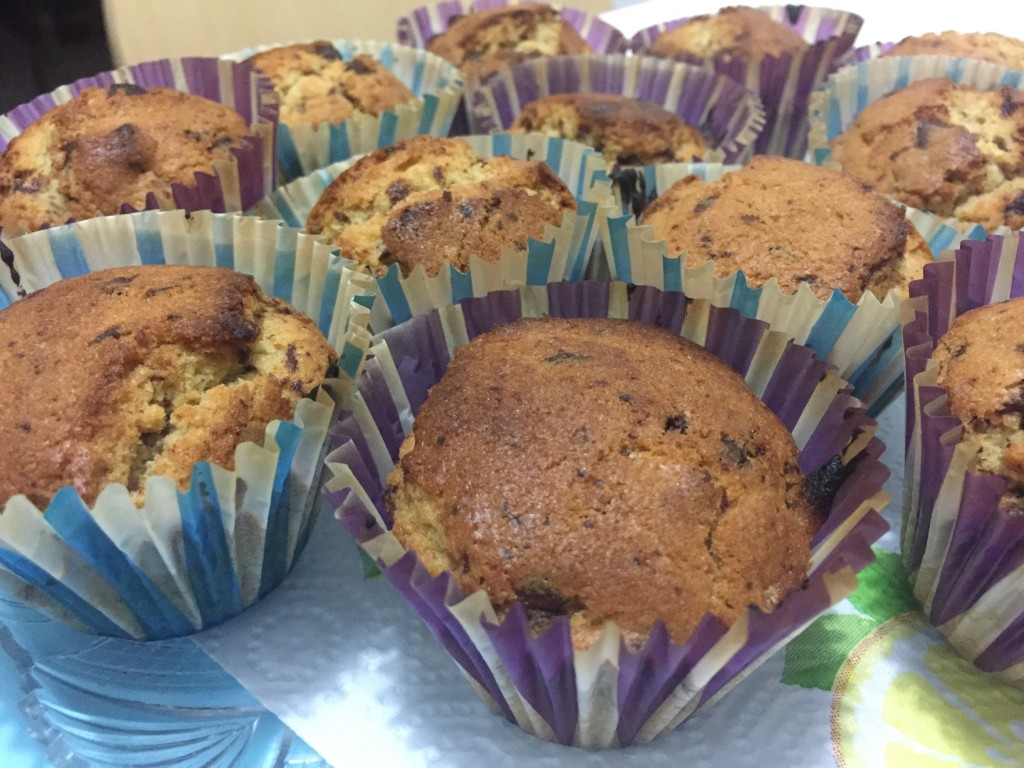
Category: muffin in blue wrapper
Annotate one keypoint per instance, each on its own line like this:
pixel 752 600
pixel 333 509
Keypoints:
pixel 188 559
pixel 783 82
pixel 237 183
pixel 730 116
pixel 564 253
pixel 964 551
pixel 424 23
pixel 861 339
pixel 435 83
pixel 607 695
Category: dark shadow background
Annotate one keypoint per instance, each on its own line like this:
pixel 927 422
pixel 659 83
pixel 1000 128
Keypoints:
pixel 47 43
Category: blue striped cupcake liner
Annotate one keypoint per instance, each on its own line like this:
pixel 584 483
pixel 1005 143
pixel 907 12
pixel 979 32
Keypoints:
pixel 436 83
pixel 188 560
pixel 564 253
pixel 862 340
pixel 728 114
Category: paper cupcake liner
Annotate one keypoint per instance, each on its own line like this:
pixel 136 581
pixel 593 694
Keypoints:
pixel 964 556
pixel 862 340
pixel 606 696
pixel 724 110
pixel 237 183
pixel 435 82
pixel 564 254
pixel 426 22
pixel 191 559
pixel 849 91
pixel 783 82
pixel 863 53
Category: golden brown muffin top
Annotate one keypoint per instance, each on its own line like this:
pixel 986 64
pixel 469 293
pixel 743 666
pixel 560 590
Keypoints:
pixel 317 85
pixel 988 46
pixel 627 131
pixel 486 42
pixel 740 33
pixel 981 365
pixel 432 201
pixel 952 150
pixel 607 470
pixel 160 367
pixel 789 220
pixel 109 147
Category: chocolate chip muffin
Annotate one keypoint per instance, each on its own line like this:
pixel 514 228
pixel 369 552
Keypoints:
pixel 317 85
pixel 740 33
pixel 949 149
pixel 798 223
pixel 987 46
pixel 606 470
pixel 626 130
pixel 112 147
pixel 486 42
pixel 163 367
pixel 981 365
pixel 434 201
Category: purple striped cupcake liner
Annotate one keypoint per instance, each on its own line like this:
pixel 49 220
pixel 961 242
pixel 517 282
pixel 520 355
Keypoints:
pixel 728 114
pixel 964 555
pixel 426 22
pixel 237 183
pixel 608 696
pixel 863 53
pixel 785 82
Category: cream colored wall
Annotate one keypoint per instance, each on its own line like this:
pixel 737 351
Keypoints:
pixel 140 30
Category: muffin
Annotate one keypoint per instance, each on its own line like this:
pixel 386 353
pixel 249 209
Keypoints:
pixel 987 46
pixel 741 33
pixel 627 131
pixel 546 469
pixel 112 147
pixel 317 85
pixel 163 367
pixel 797 223
pixel 949 149
pixel 980 364
pixel 485 42
pixel 433 201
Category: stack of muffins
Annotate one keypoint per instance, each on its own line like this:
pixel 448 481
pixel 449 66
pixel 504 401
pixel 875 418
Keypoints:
pixel 622 471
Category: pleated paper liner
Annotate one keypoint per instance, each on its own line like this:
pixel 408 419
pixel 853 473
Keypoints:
pixel 863 53
pixel 607 696
pixel 862 340
pixel 428 21
pixel 436 84
pixel 563 254
pixel 237 183
pixel 187 560
pixel 964 555
pixel 729 115
pixel 783 82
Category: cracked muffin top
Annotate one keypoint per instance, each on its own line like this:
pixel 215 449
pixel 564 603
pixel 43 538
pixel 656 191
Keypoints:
pixel 109 147
pixel 981 365
pixel 433 201
pixel 163 367
pixel 952 150
pixel 740 33
pixel 987 46
pixel 486 42
pixel 588 468
pixel 317 85
pixel 627 131
pixel 798 223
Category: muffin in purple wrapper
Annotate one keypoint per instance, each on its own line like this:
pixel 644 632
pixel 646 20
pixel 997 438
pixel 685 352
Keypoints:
pixel 618 690
pixel 728 117
pixel 798 52
pixel 963 531
pixel 101 144
pixel 563 31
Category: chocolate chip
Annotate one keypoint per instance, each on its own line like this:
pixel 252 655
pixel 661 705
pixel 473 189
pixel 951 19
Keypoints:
pixel 359 66
pixel 151 292
pixel 959 351
pixel 704 204
pixel 327 51
pixel 734 452
pixel 822 485
pixel 398 191
pixel 466 210
pixel 626 398
pixel 438 174
pixel 440 441
pixel 1016 206
pixel 291 362
pixel 113 332
pixel 677 422
pixel 1009 105
pixel 128 89
pixel 548 600
pixel 923 137
pixel 24 426
pixel 563 356
pixel 20 185
pixel 749 218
